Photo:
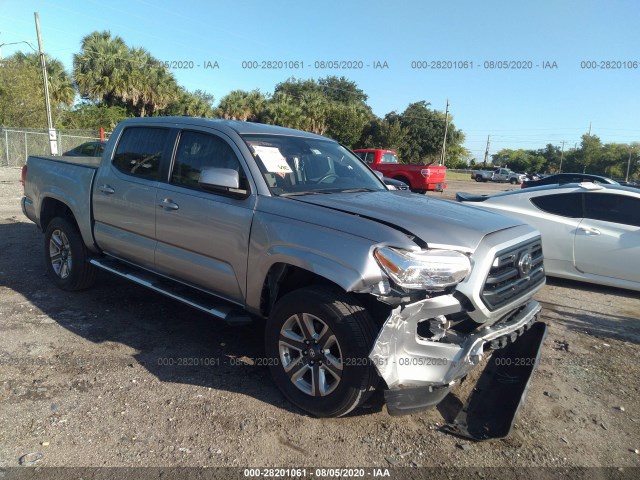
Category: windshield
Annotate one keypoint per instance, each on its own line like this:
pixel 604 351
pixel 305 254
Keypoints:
pixel 306 166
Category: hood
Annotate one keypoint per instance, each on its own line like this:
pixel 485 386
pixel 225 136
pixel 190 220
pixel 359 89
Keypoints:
pixel 438 223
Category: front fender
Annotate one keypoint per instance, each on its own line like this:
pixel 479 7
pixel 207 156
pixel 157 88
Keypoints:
pixel 341 258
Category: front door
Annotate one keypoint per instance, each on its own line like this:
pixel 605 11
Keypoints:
pixel 203 237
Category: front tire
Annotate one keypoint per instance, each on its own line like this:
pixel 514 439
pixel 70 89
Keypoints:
pixel 66 256
pixel 318 340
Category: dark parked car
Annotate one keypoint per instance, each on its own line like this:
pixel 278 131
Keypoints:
pixel 88 149
pixel 396 184
pixel 563 178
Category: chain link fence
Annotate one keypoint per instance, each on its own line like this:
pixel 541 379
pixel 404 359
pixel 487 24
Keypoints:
pixel 16 144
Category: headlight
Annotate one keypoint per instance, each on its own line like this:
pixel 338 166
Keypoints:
pixel 424 269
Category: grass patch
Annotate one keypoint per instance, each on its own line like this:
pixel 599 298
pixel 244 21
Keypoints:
pixel 458 176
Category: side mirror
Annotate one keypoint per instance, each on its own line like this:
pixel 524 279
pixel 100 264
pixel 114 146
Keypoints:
pixel 221 180
pixel 379 174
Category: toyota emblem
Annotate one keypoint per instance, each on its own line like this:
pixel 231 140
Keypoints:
pixel 525 264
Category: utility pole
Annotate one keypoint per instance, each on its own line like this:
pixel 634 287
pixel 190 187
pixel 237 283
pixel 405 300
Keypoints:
pixel 626 179
pixel 53 142
pixel 561 156
pixel 589 128
pixel 486 152
pixel 446 127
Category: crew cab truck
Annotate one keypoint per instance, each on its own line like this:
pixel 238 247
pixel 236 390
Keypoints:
pixel 420 178
pixel 498 175
pixel 245 221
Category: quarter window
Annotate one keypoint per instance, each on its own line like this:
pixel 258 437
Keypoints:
pixel 563 204
pixel 613 208
pixel 139 151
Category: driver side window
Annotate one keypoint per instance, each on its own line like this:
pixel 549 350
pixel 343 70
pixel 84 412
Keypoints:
pixel 198 151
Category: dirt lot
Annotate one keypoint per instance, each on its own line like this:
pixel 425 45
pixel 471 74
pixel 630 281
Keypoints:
pixel 92 379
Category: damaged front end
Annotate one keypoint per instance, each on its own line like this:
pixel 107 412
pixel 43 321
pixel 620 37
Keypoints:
pixel 425 347
pixel 419 371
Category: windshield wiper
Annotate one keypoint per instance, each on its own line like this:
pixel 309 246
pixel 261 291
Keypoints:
pixel 310 192
pixel 355 190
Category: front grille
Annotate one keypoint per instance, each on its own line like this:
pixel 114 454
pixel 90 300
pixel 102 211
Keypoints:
pixel 514 272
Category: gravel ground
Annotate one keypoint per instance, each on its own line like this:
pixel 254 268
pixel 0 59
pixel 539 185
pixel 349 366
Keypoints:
pixel 96 379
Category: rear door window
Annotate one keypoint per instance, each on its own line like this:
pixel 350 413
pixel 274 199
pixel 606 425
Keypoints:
pixel 140 150
pixel 563 204
pixel 389 158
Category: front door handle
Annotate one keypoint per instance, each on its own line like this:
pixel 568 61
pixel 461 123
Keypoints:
pixel 589 231
pixel 106 189
pixel 168 204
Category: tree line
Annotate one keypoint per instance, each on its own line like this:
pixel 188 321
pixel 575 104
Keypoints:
pixel 590 156
pixel 114 81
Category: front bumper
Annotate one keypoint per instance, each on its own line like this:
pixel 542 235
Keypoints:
pixel 424 370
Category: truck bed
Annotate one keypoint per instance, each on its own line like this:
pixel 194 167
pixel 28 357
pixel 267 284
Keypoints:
pixel 67 179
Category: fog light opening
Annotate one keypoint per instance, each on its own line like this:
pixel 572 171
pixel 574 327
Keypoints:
pixel 433 328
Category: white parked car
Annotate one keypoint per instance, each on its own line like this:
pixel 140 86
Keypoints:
pixel 590 232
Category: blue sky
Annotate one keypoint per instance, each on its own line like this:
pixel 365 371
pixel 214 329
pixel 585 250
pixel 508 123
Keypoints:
pixel 525 108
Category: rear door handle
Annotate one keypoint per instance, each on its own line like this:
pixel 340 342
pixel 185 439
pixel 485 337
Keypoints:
pixel 106 189
pixel 168 204
pixel 589 231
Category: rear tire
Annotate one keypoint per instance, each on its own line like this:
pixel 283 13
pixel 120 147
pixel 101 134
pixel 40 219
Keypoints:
pixel 318 340
pixel 66 256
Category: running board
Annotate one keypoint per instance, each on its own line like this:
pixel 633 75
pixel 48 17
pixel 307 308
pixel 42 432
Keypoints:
pixel 204 302
pixel 492 407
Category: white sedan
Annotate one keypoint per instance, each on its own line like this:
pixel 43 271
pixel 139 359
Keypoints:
pixel 590 232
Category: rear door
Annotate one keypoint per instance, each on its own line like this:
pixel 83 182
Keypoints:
pixel 203 237
pixel 124 194
pixel 607 241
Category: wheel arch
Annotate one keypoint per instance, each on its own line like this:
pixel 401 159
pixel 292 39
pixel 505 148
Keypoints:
pixel 283 278
pixel 51 208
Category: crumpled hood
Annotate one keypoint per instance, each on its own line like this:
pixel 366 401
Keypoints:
pixel 436 222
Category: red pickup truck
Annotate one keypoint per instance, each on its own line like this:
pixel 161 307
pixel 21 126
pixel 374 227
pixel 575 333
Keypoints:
pixel 420 178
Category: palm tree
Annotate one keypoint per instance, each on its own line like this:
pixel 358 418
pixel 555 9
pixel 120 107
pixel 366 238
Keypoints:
pixel 100 68
pixel 234 106
pixel 159 89
pixel 283 110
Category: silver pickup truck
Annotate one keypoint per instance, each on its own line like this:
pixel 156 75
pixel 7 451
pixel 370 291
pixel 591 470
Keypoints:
pixel 362 288
pixel 498 175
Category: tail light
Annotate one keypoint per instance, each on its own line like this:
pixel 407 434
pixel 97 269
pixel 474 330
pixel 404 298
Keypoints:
pixel 425 172
pixel 23 176
pixel 524 185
